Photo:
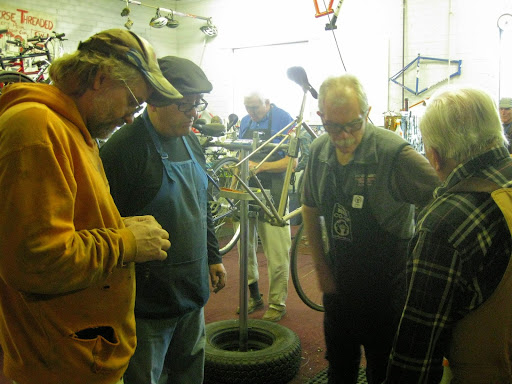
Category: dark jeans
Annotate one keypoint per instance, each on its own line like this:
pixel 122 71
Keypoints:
pixel 350 323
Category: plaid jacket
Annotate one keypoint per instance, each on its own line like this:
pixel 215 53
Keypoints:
pixel 457 258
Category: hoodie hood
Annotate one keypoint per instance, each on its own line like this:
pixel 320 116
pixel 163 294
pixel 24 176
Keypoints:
pixel 48 95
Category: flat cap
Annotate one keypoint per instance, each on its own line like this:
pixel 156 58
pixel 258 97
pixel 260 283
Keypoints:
pixel 134 50
pixel 186 76
pixel 506 102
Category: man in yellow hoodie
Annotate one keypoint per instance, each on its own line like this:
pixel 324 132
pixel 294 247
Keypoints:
pixel 66 255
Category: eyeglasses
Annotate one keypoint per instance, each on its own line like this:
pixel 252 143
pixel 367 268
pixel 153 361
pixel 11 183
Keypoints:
pixel 251 108
pixel 138 106
pixel 187 107
pixel 351 127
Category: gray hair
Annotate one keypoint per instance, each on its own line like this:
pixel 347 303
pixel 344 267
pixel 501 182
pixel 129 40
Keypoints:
pixel 339 85
pixel 257 94
pixel 74 73
pixel 461 123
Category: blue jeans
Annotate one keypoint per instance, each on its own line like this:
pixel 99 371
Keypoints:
pixel 169 351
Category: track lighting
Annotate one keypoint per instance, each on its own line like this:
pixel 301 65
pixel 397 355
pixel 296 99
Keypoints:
pixel 209 29
pixel 128 24
pixel 158 21
pixel 171 23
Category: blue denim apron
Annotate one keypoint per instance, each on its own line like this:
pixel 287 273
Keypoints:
pixel 180 283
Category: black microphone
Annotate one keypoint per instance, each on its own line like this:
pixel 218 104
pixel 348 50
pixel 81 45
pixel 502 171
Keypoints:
pixel 298 75
pixel 232 120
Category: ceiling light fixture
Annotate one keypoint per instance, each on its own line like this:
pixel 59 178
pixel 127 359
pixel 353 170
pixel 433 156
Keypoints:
pixel 129 23
pixel 209 29
pixel 171 22
pixel 158 21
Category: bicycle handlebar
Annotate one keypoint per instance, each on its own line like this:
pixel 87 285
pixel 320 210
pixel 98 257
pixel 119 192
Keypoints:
pixel 41 39
pixel 14 42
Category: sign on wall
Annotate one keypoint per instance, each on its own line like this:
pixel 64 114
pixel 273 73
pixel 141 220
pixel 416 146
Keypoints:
pixel 23 23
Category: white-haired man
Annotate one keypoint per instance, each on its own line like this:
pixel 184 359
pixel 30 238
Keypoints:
pixel 267 119
pixel 458 303
pixel 364 181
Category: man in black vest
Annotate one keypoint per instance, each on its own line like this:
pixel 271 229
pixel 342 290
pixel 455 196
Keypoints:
pixel 364 181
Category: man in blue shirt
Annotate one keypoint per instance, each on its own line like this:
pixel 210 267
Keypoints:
pixel 267 119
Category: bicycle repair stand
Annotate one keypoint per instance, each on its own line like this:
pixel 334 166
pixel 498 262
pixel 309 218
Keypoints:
pixel 244 198
pixel 298 75
pixel 249 194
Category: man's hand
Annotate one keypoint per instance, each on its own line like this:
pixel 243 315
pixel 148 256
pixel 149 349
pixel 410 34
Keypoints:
pixel 152 241
pixel 253 169
pixel 217 277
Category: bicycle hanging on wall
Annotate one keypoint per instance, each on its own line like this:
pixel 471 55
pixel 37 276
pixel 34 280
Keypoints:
pixel 416 91
pixel 34 53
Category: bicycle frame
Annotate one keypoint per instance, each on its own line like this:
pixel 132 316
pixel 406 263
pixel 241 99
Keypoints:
pixel 293 149
pixel 42 52
pixel 417 60
pixel 326 12
pixel 331 25
pixel 293 132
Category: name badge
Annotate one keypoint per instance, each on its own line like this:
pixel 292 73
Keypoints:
pixel 357 201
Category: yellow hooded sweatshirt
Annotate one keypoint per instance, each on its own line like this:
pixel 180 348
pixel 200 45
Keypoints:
pixel 66 299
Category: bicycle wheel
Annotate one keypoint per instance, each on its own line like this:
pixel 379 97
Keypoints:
pixel 303 272
pixel 9 77
pixel 224 209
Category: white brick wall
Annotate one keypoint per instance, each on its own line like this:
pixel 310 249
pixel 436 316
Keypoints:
pixel 369 36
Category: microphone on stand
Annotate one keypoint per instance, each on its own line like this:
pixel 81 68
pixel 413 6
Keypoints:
pixel 298 75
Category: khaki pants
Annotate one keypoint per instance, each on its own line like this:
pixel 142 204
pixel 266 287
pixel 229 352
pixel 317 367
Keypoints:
pixel 276 242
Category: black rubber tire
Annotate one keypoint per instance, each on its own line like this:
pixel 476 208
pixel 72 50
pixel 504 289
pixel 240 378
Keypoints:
pixel 317 305
pixel 226 211
pixel 273 356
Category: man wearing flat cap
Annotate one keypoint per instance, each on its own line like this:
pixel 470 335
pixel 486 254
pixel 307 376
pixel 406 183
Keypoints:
pixel 156 166
pixel 506 119
pixel 67 274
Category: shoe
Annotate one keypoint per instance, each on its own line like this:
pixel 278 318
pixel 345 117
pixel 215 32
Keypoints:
pixel 253 305
pixel 274 315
